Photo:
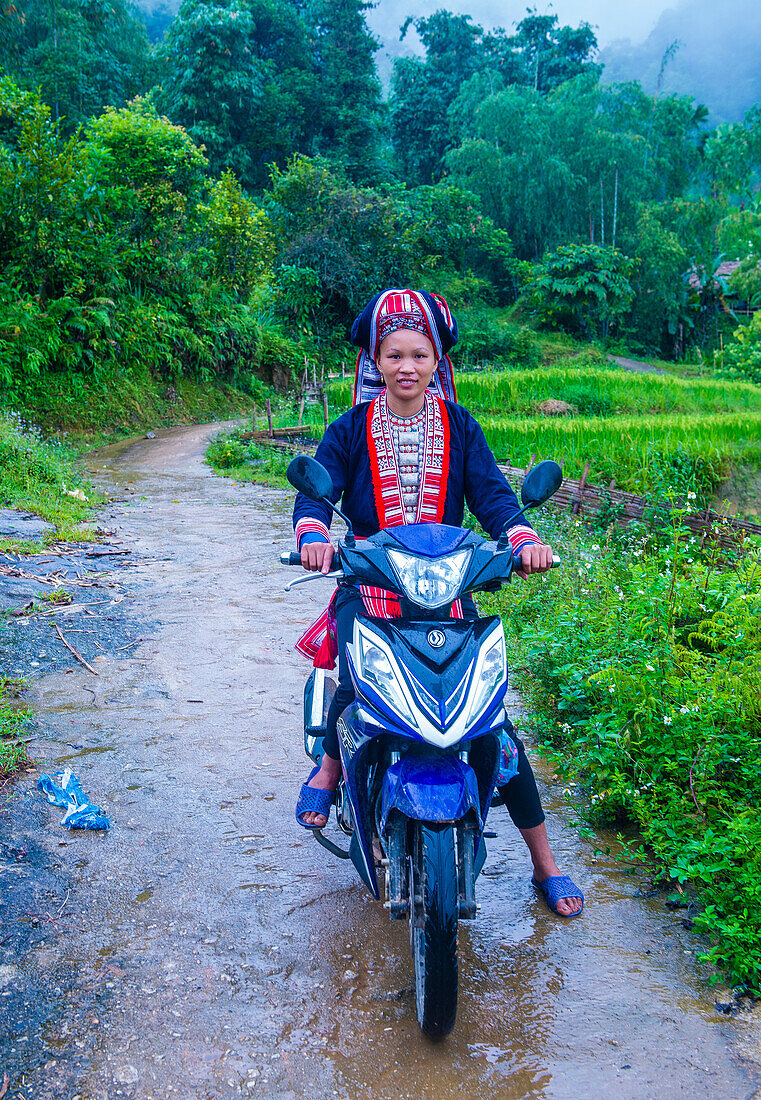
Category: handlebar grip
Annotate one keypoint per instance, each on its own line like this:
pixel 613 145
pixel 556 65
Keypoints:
pixel 293 557
pixel 518 564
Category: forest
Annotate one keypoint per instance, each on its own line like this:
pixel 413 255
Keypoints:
pixel 188 215
pixel 222 201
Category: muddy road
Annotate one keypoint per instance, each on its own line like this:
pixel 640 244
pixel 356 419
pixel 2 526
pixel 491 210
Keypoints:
pixel 207 948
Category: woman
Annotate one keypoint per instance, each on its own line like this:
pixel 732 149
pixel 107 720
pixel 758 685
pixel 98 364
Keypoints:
pixel 409 455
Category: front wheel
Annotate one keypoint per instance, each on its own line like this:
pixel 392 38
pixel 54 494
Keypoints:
pixel 433 926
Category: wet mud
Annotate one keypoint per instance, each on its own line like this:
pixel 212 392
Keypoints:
pixel 206 948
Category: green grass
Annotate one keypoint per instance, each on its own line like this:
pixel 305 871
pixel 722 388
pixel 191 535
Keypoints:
pixel 13 719
pixel 122 405
pixel 641 662
pixel 628 448
pixel 39 476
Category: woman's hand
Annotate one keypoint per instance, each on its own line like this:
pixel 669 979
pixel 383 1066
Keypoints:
pixel 535 558
pixel 317 556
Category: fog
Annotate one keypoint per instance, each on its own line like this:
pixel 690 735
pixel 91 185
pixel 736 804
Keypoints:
pixel 610 20
pixel 717 62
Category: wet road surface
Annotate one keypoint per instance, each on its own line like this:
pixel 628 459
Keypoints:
pixel 207 948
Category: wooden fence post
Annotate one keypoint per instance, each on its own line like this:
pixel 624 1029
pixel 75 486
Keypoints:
pixel 578 502
pixel 269 417
pixel 301 410
pixel 325 408
pixel 253 418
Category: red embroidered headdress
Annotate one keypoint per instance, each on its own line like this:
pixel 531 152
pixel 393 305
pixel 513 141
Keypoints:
pixel 426 313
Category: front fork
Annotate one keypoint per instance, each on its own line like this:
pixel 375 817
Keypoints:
pixel 402 863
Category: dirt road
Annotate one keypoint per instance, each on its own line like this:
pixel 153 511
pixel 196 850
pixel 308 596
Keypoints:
pixel 207 948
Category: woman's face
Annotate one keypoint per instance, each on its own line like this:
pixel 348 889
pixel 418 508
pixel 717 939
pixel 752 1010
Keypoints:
pixel 407 361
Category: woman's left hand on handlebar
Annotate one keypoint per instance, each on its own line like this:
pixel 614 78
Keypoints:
pixel 535 558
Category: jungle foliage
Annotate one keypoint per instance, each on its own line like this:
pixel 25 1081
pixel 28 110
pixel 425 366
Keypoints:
pixel 654 713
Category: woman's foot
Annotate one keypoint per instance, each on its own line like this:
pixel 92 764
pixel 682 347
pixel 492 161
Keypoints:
pixel 546 867
pixel 326 779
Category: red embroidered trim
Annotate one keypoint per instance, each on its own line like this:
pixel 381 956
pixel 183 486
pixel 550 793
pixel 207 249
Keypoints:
pixel 307 525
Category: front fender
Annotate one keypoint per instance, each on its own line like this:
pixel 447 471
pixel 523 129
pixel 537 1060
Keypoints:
pixel 428 787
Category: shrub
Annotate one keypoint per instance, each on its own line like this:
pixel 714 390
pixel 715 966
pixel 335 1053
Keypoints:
pixel 644 669
pixel 741 357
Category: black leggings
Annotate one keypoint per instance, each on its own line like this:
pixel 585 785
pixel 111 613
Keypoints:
pixel 520 795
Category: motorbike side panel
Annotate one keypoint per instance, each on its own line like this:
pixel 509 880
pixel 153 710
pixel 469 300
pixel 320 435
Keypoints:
pixel 430 787
pixel 354 740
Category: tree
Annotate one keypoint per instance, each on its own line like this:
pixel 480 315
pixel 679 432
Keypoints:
pixel 238 78
pixel 583 288
pixel 81 54
pixel 353 240
pixel 422 91
pixel 543 55
pixel 349 120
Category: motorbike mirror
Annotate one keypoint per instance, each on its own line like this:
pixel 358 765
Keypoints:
pixel 540 483
pixel 309 477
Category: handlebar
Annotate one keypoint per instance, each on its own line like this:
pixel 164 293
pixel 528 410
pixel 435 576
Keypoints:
pixel 293 557
pixel 518 564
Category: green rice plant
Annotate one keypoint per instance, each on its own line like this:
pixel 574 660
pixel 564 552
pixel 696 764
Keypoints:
pixel 499 393
pixel 623 447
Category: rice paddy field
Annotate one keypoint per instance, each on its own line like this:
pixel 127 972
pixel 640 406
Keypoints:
pixel 629 427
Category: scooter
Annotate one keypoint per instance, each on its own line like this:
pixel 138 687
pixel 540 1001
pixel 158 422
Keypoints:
pixel 422 743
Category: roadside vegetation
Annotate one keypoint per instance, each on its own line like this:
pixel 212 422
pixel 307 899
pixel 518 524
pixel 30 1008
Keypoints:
pixel 13 720
pixel 42 477
pixel 641 662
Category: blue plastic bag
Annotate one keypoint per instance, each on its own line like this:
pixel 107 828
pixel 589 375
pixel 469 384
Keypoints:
pixel 63 789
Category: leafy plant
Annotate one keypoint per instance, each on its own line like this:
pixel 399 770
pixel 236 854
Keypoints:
pixel 644 672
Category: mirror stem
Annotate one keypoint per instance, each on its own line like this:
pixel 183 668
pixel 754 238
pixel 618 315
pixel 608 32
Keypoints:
pixel 504 541
pixel 350 540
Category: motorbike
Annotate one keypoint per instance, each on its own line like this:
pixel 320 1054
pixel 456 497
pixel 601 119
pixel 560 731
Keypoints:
pixel 421 744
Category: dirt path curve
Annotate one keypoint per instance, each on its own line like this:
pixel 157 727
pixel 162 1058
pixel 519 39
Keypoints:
pixel 637 366
pixel 206 948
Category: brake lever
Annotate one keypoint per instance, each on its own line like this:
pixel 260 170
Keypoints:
pixel 336 575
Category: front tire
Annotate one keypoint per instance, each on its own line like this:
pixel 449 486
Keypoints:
pixel 433 927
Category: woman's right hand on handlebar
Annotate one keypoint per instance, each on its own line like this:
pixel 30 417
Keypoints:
pixel 317 556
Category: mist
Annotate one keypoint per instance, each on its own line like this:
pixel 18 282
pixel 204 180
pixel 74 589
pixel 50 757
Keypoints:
pixel 716 62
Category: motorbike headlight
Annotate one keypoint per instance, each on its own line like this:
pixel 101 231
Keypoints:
pixel 490 673
pixel 376 669
pixel 430 582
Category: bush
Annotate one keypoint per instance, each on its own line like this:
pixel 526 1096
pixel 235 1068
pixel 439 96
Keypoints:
pixel 741 357
pixel 644 667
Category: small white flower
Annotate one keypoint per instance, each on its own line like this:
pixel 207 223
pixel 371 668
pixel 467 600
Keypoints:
pixel 692 496
pixel 649 668
pixel 667 721
pixel 612 688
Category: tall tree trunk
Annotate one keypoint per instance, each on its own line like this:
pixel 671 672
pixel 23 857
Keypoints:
pixel 615 211
pixel 54 25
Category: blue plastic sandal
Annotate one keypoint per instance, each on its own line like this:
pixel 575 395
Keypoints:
pixel 556 887
pixel 313 800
